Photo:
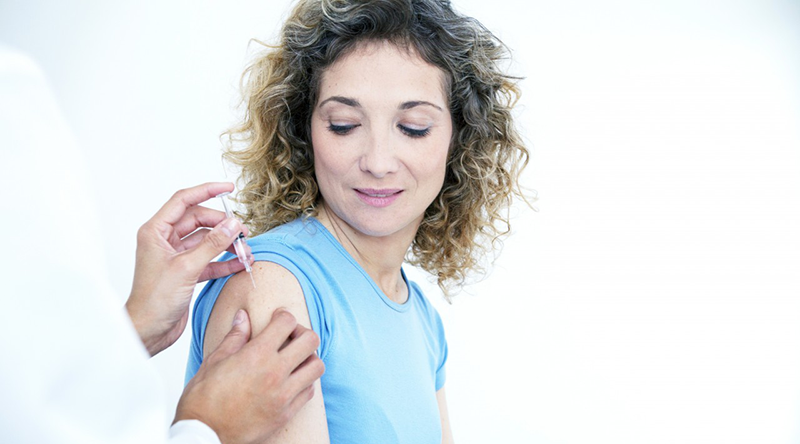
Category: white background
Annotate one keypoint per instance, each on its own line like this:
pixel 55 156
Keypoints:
pixel 654 298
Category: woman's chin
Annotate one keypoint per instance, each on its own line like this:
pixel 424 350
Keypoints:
pixel 383 227
pixel 378 230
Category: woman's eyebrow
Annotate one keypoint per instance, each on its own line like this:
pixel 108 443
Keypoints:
pixel 415 103
pixel 356 104
pixel 344 100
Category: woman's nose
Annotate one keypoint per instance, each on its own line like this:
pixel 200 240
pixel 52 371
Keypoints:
pixel 379 157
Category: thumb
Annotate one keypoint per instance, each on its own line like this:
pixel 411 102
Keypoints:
pixel 215 242
pixel 235 339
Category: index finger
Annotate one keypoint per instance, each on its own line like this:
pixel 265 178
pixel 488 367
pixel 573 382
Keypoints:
pixel 275 334
pixel 176 206
pixel 302 344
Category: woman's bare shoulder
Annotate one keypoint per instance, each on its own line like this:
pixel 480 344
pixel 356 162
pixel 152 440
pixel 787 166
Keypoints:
pixel 275 287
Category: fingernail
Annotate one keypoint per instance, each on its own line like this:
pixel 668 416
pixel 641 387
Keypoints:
pixel 230 226
pixel 239 318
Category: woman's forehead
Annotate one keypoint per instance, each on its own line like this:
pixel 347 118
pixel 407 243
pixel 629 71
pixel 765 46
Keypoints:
pixel 386 69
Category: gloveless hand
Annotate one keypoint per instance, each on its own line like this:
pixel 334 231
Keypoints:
pixel 245 391
pixel 173 253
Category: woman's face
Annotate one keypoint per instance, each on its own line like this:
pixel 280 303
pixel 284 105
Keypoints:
pixel 381 130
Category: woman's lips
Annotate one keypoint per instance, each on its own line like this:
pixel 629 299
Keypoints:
pixel 378 197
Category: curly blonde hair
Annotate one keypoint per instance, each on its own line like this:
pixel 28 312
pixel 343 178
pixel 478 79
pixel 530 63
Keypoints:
pixel 272 145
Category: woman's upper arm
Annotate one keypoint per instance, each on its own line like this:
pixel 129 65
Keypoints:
pixel 276 288
pixel 447 434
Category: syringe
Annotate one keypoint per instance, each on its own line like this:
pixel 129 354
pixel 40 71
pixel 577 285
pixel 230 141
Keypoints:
pixel 238 244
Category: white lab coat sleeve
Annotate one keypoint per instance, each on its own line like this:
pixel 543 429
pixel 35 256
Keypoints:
pixel 72 368
pixel 192 432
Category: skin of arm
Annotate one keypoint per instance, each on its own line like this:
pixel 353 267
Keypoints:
pixel 310 424
pixel 447 434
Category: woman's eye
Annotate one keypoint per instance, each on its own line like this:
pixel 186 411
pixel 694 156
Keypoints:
pixel 412 132
pixel 341 129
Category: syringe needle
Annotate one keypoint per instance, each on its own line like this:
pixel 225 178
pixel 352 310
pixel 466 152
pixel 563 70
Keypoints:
pixel 238 243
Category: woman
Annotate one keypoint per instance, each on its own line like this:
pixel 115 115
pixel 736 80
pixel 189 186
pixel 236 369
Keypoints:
pixel 376 131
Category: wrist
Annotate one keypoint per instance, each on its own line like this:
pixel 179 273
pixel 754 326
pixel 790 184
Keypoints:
pixel 145 328
pixel 190 408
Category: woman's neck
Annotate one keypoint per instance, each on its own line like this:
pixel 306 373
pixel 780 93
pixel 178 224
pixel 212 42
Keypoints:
pixel 381 257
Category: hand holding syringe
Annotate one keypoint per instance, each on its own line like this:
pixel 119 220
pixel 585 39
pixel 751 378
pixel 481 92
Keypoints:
pixel 238 244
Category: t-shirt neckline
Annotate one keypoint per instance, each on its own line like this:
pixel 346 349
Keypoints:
pixel 389 302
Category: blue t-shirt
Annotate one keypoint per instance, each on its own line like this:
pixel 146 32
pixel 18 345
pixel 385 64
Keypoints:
pixel 384 361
